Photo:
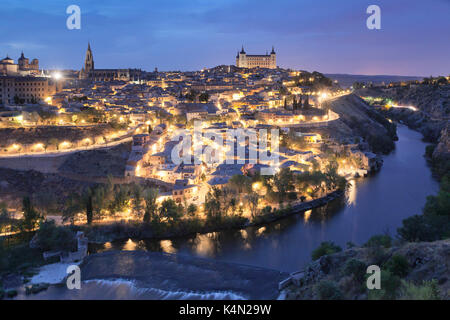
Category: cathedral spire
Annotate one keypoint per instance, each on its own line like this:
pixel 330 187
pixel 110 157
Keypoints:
pixel 89 61
pixel 273 50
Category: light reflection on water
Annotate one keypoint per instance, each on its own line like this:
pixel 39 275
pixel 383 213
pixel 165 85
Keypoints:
pixel 371 206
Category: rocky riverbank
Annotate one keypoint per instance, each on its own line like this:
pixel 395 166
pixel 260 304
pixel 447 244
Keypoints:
pixel 342 275
pixel 360 124
pixel 431 117
pixel 432 104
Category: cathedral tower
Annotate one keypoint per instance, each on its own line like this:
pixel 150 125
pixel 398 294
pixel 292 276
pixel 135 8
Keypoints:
pixel 88 63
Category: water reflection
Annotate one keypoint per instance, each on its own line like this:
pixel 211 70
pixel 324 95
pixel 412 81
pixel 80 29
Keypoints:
pixel 167 246
pixel 370 206
pixel 351 192
pixel 307 215
pixel 215 244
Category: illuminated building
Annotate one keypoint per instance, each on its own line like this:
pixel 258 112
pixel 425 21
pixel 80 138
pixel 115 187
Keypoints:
pixel 244 60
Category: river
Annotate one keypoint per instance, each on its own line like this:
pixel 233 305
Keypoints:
pixel 372 205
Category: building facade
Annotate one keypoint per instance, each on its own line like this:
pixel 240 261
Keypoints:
pixel 106 75
pixel 244 60
pixel 15 89
pixel 23 68
pixel 26 66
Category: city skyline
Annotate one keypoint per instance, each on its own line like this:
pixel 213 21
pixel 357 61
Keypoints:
pixel 326 36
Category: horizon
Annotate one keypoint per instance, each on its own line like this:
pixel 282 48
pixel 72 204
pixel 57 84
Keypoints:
pixel 193 36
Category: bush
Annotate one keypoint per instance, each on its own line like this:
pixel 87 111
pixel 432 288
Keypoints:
pixel 266 210
pixel 11 293
pixel 36 288
pixel 325 248
pixel 355 268
pixel 20 257
pixel 377 255
pixel 428 290
pixel 424 228
pixel 398 265
pixel 390 285
pixel 328 290
pixel 379 241
pixel 51 237
pixel 429 150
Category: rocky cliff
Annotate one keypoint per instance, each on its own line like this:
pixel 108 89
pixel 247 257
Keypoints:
pixel 433 103
pixel 360 122
pixel 442 150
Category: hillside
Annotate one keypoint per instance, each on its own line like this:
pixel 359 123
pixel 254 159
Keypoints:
pixel 361 122
pixel 342 275
pixel 433 103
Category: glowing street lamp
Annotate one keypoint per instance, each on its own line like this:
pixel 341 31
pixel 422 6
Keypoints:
pixel 57 76
pixel 256 186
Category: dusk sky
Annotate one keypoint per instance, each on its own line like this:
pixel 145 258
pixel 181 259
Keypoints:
pixel 325 35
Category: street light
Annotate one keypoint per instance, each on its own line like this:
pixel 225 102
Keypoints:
pixel 57 76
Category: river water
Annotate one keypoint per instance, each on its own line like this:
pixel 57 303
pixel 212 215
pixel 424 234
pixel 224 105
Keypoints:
pixel 373 205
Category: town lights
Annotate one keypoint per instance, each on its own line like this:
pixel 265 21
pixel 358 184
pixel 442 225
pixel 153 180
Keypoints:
pixel 38 146
pixel 57 76
pixel 65 145
pixel 256 186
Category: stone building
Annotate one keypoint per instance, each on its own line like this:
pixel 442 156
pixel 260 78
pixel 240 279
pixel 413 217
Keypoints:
pixel 9 68
pixel 25 89
pixel 244 60
pixel 106 75
pixel 25 65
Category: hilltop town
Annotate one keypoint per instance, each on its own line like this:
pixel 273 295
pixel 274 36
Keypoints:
pixel 122 126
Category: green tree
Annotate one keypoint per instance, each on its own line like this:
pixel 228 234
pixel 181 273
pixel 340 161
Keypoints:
pixel 212 204
pixel 137 194
pixel 325 248
pixel 192 210
pixel 240 183
pixel 31 216
pixel 89 208
pixel 252 200
pixel 283 181
pixel 51 237
pixel 151 207
pixel 204 97
pixel 170 210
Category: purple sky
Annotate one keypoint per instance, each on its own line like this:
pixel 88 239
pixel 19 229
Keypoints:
pixel 329 36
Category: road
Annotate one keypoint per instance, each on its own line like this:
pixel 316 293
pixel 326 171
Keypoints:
pixel 127 137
